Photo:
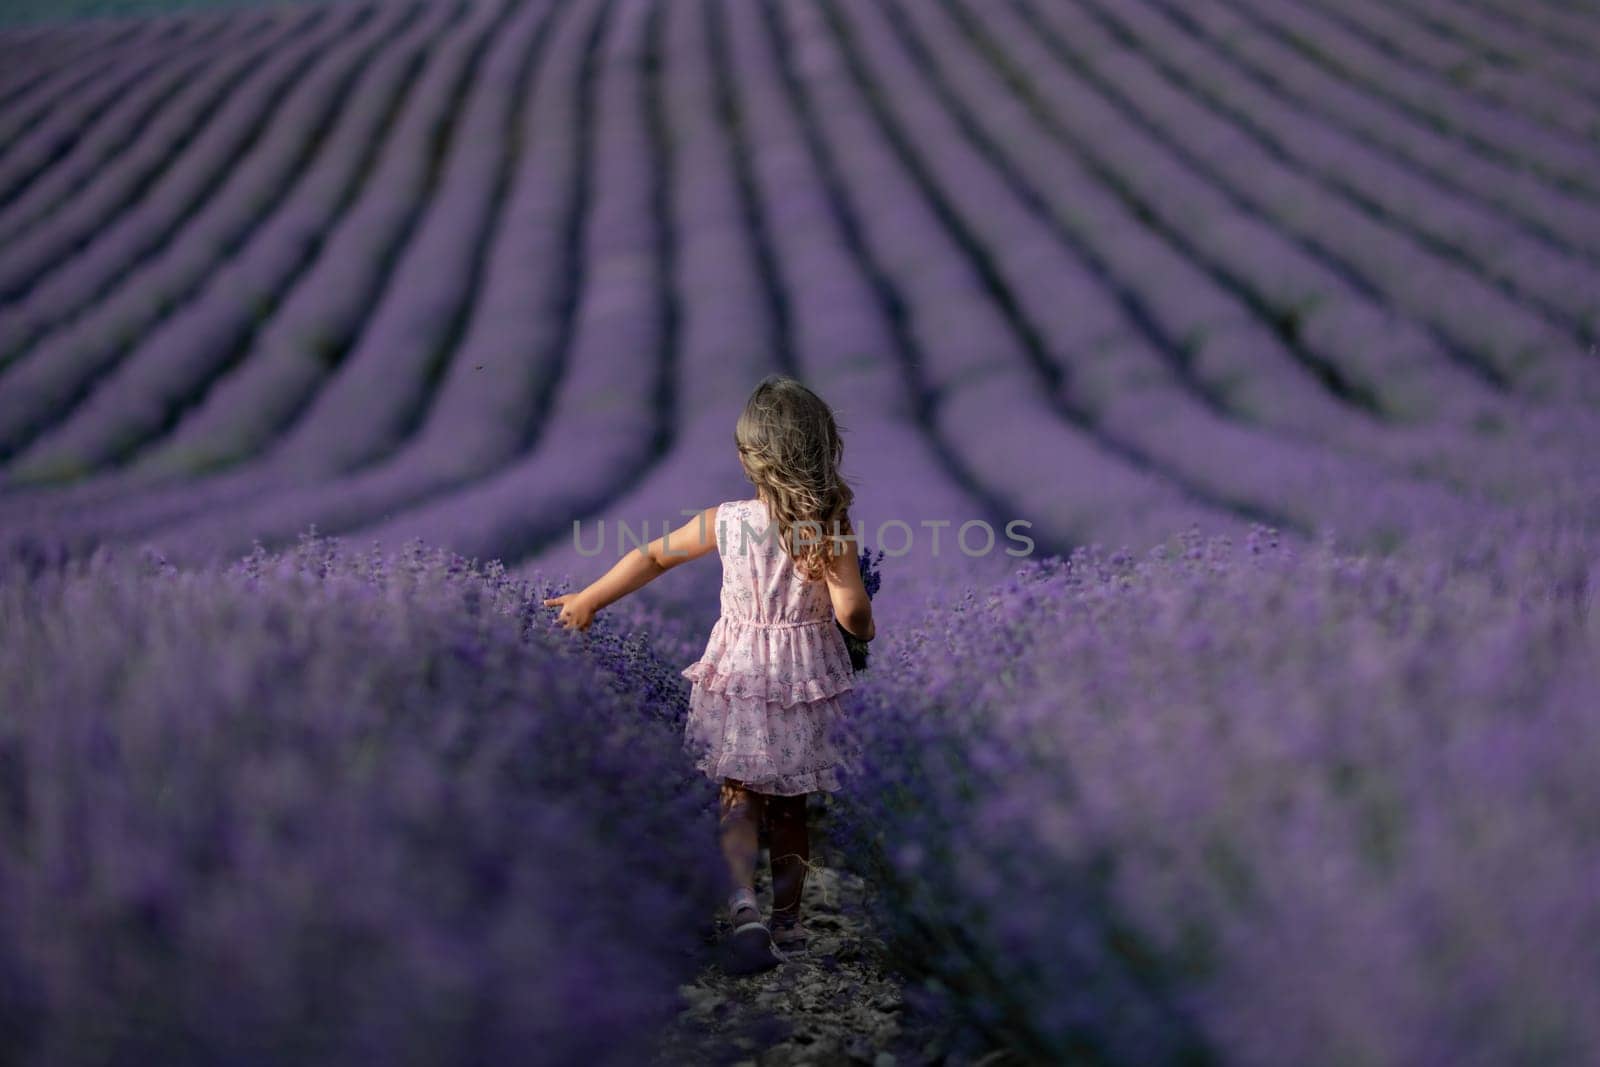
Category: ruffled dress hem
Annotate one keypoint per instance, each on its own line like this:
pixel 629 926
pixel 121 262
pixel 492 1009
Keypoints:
pixel 775 750
pixel 823 779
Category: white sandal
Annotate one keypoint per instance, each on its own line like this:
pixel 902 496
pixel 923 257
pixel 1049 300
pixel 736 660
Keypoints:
pixel 749 948
pixel 790 937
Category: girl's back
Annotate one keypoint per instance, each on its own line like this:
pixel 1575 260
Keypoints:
pixel 774 662
pixel 759 581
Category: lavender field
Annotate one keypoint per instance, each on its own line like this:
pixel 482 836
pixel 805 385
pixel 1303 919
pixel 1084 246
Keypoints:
pixel 1276 322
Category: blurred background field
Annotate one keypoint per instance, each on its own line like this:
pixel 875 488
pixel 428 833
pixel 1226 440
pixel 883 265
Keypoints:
pixel 472 271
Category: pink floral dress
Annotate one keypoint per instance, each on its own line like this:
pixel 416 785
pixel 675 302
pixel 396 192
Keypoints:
pixel 766 691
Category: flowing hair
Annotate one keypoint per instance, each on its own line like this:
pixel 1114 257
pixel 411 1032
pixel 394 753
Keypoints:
pixel 790 448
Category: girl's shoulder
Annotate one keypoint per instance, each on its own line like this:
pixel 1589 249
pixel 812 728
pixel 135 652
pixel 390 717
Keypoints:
pixel 730 513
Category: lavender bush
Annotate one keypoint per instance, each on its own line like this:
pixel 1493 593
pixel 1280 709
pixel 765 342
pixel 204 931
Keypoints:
pixel 872 578
pixel 327 806
pixel 1269 805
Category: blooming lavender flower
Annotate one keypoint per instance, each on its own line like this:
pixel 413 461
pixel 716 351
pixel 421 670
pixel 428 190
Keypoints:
pixel 1249 805
pixel 328 806
pixel 872 578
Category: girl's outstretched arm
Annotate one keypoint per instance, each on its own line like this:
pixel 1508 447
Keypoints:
pixel 638 568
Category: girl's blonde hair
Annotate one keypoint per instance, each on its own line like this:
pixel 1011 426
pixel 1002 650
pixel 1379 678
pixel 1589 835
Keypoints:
pixel 790 448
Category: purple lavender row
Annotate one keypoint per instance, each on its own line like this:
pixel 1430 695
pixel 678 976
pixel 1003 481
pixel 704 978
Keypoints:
pixel 381 834
pixel 35 102
pixel 129 210
pixel 366 407
pixel 1109 370
pixel 369 404
pixel 1563 162
pixel 30 59
pixel 31 160
pixel 190 303
pixel 1372 350
pixel 282 370
pixel 1506 78
pixel 92 147
pixel 328 298
pixel 1556 64
pixel 1565 287
pixel 602 420
pixel 353 203
pixel 1511 343
pixel 725 338
pixel 1071 482
pixel 275 474
pixel 1539 64
pixel 728 334
pixel 322 325
pixel 29 54
pixel 32 49
pixel 1243 365
pixel 324 314
pixel 1561 31
pixel 838 329
pixel 1570 221
pixel 462 434
pixel 1190 809
pixel 186 191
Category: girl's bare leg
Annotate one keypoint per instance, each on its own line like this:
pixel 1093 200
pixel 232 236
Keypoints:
pixel 749 947
pixel 740 826
pixel 790 849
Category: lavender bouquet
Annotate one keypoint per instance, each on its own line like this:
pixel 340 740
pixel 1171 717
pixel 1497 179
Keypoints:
pixel 871 577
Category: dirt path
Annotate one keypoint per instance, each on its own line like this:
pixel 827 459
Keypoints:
pixel 841 1003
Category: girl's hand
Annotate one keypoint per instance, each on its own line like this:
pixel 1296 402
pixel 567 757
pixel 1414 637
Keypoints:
pixel 576 614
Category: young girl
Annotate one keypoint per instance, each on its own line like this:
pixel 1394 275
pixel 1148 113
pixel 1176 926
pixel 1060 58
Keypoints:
pixel 766 692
